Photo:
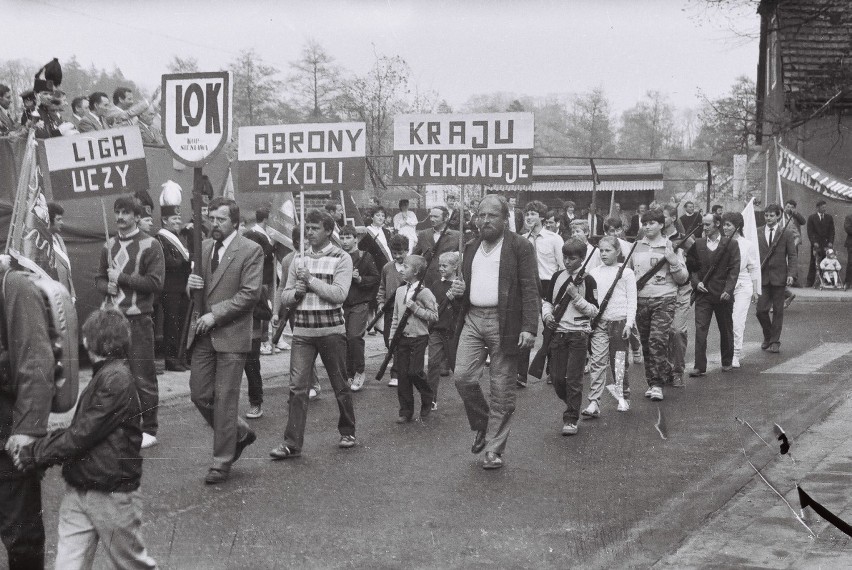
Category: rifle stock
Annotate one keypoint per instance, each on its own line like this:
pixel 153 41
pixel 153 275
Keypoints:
pixel 386 308
pixel 536 368
pixel 397 336
pixel 611 289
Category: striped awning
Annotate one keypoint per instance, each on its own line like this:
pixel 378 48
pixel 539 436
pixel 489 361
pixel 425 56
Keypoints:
pixel 585 186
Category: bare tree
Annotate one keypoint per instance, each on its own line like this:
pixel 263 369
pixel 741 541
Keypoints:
pixel 590 128
pixel 183 64
pixel 18 75
pixel 257 94
pixel 314 82
pixel 647 127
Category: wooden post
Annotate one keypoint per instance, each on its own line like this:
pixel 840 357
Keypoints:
pixel 197 300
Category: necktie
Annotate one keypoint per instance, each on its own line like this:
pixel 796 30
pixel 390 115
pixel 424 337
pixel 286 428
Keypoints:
pixel 214 263
pixel 771 233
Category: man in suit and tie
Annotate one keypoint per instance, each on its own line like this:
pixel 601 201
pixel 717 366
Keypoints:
pixel 231 278
pixel 516 216
pixel 499 314
pixel 102 113
pixel 454 211
pixel 433 242
pixel 821 236
pixel 79 108
pixel 777 248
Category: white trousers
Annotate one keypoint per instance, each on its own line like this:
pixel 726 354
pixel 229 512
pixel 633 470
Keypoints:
pixel 742 302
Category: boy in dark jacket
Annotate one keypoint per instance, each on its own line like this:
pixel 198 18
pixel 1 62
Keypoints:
pixel 441 332
pixel 99 453
pixel 356 307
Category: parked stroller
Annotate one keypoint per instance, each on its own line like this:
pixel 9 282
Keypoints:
pixel 828 271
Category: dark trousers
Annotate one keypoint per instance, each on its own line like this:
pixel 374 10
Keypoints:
pixel 21 526
pixel 252 369
pixel 356 327
pixel 409 358
pixel 141 360
pixel 771 297
pixel 848 280
pixel 332 350
pixel 439 350
pixel 524 353
pixel 705 308
pixel 174 311
pixel 567 359
pixel 386 332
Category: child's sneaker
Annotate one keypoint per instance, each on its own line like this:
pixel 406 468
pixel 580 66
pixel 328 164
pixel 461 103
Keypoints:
pixel 648 392
pixel 637 356
pixel 624 406
pixel 393 383
pixel 357 382
pixel 314 393
pixel 656 394
pixel 592 411
pixel 569 429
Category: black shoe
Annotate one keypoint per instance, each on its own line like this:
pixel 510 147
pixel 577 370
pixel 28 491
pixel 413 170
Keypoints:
pixel 478 442
pixel 403 419
pixel 216 476
pixel 249 439
pixel 425 411
pixel 696 373
pixel 175 367
pixel 522 381
pixel 284 452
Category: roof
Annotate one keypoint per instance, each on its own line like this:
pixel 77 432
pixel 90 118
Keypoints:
pixel 612 178
pixel 815 45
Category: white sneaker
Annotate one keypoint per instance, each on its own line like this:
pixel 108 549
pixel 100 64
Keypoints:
pixel 434 406
pixel 569 429
pixel 282 345
pixel 656 394
pixel 358 382
pixel 313 393
pixel 148 440
pixel 735 362
pixel 648 392
pixel 637 357
pixel 393 382
pixel 266 349
pixel 624 406
pixel 254 412
pixel 592 411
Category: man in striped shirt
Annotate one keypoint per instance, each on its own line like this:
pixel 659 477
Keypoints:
pixel 317 286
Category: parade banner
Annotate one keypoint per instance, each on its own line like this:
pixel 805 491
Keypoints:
pixel 196 111
pixel 293 158
pixel 487 148
pixel 796 169
pixel 97 163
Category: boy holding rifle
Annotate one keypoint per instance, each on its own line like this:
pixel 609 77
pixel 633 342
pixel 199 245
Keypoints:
pixel 414 309
pixel 441 332
pixel 570 331
pixel 611 327
pixel 662 270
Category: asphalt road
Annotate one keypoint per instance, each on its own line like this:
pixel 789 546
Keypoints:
pixel 413 496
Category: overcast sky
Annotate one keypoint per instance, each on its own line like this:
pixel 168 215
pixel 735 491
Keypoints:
pixel 458 48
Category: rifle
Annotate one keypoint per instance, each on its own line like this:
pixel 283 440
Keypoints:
pixel 693 295
pixel 537 365
pixel 774 245
pixel 642 281
pixel 609 293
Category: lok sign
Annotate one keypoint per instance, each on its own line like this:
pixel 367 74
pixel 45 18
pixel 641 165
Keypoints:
pixel 196 115
pixel 97 163
pixel 487 148
pixel 302 157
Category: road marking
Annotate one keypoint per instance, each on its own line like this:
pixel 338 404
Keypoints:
pixel 812 360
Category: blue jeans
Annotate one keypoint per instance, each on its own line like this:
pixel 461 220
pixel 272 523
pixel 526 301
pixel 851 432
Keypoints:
pixel 332 349
pixel 480 335
pixel 114 519
pixel 567 359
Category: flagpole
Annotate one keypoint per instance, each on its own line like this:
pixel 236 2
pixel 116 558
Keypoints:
pixel 593 208
pixel 778 172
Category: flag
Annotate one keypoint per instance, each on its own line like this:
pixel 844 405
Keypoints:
pixel 796 169
pixel 31 243
pixel 228 188
pixel 750 233
pixel 282 219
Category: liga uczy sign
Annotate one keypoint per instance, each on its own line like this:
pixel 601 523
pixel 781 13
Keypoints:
pixel 196 115
pixel 97 163
pixel 293 158
pixel 492 148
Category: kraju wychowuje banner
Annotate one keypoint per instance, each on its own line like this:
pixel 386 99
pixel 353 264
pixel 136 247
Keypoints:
pixel 97 163
pixel 486 148
pixel 302 157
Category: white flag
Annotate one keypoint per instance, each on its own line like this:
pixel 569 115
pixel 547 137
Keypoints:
pixel 750 233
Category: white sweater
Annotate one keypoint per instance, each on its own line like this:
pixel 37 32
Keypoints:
pixel 622 304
